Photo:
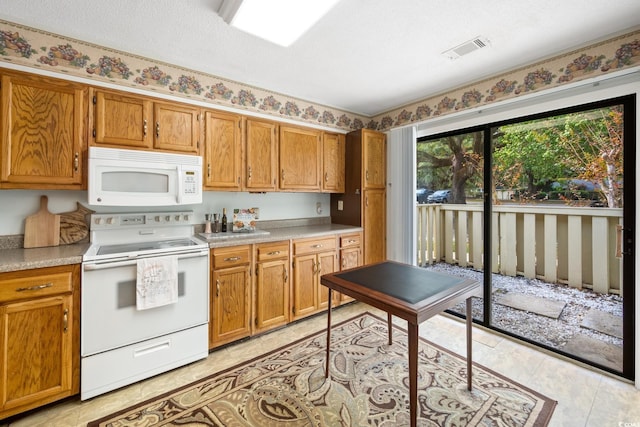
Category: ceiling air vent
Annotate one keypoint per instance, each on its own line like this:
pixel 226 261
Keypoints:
pixel 466 47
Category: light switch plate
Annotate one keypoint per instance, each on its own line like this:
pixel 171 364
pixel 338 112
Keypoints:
pixel 340 205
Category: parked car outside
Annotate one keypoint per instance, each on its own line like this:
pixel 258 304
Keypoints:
pixel 422 194
pixel 440 196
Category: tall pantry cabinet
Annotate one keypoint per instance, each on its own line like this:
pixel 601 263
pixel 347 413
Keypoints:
pixel 364 201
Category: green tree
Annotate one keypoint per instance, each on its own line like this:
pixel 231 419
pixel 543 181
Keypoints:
pixel 451 162
pixel 527 155
pixel 596 142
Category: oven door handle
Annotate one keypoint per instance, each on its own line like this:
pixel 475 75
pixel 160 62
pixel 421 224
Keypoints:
pixel 91 266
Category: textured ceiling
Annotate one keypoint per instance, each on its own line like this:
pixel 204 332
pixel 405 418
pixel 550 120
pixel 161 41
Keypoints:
pixel 364 56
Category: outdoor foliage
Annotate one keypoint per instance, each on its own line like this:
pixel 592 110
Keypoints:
pixel 576 158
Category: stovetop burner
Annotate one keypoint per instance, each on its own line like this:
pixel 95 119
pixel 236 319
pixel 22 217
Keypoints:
pixel 115 236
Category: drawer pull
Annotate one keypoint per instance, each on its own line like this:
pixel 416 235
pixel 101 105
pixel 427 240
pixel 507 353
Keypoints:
pixel 233 258
pixel 273 253
pixel 35 288
pixel 351 241
pixel 316 246
pixel 65 319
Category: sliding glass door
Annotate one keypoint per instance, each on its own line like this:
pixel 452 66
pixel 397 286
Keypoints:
pixel 541 210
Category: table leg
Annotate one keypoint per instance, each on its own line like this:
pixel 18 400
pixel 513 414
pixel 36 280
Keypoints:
pixel 326 372
pixel 390 328
pixel 413 373
pixel 469 322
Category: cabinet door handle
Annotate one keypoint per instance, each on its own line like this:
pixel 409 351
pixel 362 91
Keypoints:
pixel 144 128
pixel 284 271
pixel 208 170
pixel 35 288
pixel 326 176
pixel 249 172
pixel 76 162
pixel 273 253
pixel 282 175
pixel 65 319
pixel 366 175
pixel 157 129
pixel 319 270
pixel 218 287
pixel 344 262
pixel 366 201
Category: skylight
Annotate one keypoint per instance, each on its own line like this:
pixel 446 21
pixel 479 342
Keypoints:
pixel 279 21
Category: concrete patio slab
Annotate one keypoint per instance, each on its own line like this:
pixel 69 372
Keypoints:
pixel 603 322
pixel 599 352
pixel 533 304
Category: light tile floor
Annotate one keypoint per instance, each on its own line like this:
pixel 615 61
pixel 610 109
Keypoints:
pixel 585 397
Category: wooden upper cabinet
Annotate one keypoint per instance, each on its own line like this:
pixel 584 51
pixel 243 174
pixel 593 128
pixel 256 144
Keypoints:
pixel 261 148
pixel 300 158
pixel 176 127
pixel 223 151
pixel 374 159
pixel 333 152
pixel 42 132
pixel 130 121
pixel 122 120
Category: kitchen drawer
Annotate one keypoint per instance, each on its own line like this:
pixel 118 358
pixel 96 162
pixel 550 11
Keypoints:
pixel 309 246
pixel 272 251
pixel 28 284
pixel 350 240
pixel 231 257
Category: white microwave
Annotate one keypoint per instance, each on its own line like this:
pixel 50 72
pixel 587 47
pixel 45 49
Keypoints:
pixel 119 177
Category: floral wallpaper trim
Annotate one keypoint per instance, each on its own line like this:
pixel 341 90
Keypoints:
pixel 43 50
pixel 39 49
pixel 598 59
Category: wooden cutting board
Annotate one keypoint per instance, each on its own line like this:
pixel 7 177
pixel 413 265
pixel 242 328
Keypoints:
pixel 73 225
pixel 42 228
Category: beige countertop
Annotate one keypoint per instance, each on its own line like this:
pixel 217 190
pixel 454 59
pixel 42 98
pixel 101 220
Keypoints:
pixel 25 259
pixel 220 240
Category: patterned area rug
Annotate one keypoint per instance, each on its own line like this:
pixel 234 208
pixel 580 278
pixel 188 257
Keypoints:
pixel 369 386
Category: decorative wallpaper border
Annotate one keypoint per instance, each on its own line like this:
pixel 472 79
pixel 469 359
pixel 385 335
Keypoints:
pixel 602 58
pixel 39 49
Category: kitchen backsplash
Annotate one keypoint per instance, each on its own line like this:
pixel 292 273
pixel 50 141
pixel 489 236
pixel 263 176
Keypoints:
pixel 18 204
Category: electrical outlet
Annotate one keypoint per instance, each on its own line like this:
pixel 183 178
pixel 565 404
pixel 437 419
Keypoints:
pixel 319 208
pixel 340 205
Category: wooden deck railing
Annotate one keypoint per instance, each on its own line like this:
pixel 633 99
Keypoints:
pixel 557 244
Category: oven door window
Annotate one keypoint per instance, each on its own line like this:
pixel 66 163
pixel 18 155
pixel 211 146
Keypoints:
pixel 109 315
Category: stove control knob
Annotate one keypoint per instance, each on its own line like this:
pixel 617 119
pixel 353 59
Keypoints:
pixel 158 218
pixel 98 221
pixel 187 218
pixel 177 217
pixel 168 218
pixel 110 220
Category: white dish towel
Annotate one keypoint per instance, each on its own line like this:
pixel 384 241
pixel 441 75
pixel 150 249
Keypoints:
pixel 157 282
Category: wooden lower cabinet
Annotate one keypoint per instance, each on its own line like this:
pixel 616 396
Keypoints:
pixel 230 292
pixel 350 255
pixel 312 258
pixel 39 337
pixel 271 302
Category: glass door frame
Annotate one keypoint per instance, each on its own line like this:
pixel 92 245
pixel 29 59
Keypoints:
pixel 629 218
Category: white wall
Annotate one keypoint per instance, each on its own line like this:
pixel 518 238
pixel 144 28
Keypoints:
pixel 597 89
pixel 16 205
